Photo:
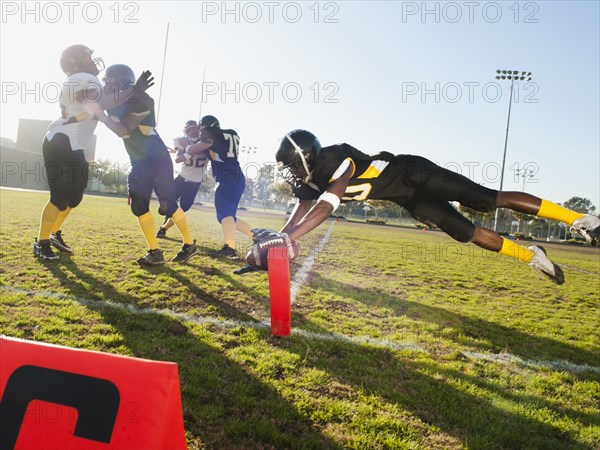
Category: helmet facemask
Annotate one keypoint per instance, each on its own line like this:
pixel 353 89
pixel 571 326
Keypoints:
pixel 298 171
pixel 98 62
pixel 293 173
pixel 92 65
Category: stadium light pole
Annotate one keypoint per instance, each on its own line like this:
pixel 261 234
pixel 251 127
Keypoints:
pixel 512 75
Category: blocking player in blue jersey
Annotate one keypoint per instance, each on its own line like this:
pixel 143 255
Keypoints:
pixel 151 165
pixel 222 148
pixel 191 174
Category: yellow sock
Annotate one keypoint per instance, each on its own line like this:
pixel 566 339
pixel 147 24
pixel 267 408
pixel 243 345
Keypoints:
pixel 243 227
pixel 228 225
pixel 510 248
pixel 553 211
pixel 181 222
pixel 49 215
pixel 168 224
pixel 61 218
pixel 147 225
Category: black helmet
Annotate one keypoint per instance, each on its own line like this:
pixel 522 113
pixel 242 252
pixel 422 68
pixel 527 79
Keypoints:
pixel 78 58
pixel 296 156
pixel 209 121
pixel 118 76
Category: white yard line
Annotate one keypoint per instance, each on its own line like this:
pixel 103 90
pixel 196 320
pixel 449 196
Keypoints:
pixel 501 358
pixel 302 274
pixel 201 320
pixel 507 358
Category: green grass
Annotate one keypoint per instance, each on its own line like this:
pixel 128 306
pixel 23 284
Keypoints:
pixel 443 303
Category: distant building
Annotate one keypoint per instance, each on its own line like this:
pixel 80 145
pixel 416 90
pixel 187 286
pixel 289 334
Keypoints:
pixel 22 164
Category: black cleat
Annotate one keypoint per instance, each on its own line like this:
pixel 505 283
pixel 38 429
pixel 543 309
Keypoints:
pixel 152 258
pixel 225 252
pixel 186 252
pixel 42 250
pixel 542 264
pixel 161 233
pixel 57 241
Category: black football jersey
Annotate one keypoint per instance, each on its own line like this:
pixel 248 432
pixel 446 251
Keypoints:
pixel 143 142
pixel 223 154
pixel 377 177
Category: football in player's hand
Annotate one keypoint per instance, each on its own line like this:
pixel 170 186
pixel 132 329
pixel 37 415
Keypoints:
pixel 258 256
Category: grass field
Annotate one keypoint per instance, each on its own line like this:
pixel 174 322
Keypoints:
pixel 402 339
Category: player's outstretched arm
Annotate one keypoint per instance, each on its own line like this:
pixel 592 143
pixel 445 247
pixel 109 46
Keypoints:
pixel 300 210
pixel 199 147
pixel 326 204
pixel 124 128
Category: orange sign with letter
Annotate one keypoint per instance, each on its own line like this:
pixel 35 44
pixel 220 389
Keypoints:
pixel 54 397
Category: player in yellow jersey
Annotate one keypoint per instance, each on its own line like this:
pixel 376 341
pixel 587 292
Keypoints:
pixel 338 173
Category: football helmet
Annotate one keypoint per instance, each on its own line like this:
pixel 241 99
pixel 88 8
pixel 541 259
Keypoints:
pixel 296 156
pixel 118 76
pixel 78 58
pixel 209 121
pixel 191 130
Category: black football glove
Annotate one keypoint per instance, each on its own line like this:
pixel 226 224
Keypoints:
pixel 144 82
pixel 260 234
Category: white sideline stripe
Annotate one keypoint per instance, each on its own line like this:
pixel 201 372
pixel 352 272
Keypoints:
pixel 507 358
pixel 200 320
pixel 502 358
pixel 301 275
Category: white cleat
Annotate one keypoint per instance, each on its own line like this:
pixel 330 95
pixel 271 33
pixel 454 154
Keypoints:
pixel 589 227
pixel 542 264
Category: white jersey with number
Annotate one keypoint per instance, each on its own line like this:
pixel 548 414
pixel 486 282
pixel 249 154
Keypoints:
pixel 193 169
pixel 75 122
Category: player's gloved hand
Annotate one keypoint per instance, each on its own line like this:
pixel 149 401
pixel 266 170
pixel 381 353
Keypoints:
pixel 144 82
pixel 260 234
pixel 258 256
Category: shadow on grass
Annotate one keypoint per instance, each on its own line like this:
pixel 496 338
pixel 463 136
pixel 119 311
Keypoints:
pixel 444 399
pixel 499 337
pixel 224 406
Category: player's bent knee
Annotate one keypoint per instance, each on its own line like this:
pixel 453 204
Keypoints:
pixel 61 204
pixel 185 206
pixel 139 208
pixel 74 203
pixel 170 209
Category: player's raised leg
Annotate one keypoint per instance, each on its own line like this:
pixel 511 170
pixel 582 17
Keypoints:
pixel 441 214
pixel 586 225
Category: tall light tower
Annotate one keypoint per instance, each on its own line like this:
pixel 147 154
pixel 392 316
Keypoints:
pixel 512 75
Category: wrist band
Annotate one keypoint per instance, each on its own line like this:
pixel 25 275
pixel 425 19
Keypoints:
pixel 330 198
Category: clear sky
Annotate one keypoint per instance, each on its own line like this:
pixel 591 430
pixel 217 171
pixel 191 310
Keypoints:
pixel 406 77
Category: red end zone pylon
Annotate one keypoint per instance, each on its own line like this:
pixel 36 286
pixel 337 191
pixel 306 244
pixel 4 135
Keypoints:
pixel 279 287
